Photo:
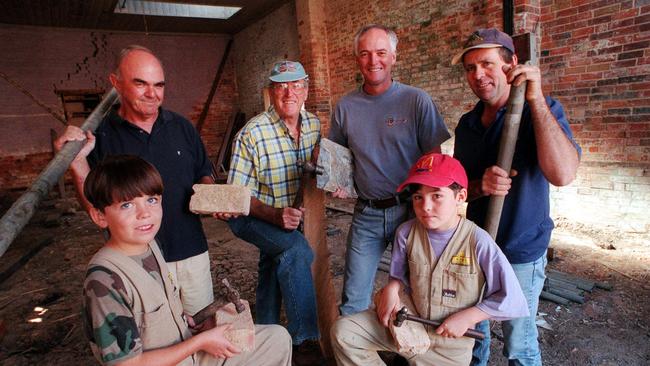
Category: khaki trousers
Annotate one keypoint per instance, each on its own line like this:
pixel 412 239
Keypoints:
pixel 357 338
pixel 193 278
pixel 272 348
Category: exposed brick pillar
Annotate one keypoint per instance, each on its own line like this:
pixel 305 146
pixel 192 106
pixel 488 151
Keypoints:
pixel 527 16
pixel 312 38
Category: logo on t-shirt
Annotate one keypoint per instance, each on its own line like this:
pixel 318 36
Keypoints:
pixel 392 120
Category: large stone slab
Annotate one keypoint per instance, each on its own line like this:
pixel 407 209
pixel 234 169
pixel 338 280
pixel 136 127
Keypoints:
pixel 211 198
pixel 338 168
pixel 242 330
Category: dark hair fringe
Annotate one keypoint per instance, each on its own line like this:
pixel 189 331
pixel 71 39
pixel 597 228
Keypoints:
pixel 120 178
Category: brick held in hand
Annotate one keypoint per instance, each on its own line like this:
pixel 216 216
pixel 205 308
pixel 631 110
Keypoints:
pixel 211 198
pixel 242 329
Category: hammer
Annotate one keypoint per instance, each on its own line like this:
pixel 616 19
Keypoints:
pixel 210 310
pixel 307 168
pixel 403 315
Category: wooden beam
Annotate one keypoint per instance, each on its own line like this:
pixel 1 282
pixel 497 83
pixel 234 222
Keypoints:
pixel 314 229
pixel 509 135
pixel 213 89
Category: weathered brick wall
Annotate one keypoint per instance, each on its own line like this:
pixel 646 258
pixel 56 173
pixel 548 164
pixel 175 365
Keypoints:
pixel 257 48
pixel 220 111
pixel 312 27
pixel 44 59
pixel 19 171
pixel 594 59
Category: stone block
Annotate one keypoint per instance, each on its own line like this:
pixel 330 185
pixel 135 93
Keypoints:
pixel 242 330
pixel 337 165
pixel 411 338
pixel 211 198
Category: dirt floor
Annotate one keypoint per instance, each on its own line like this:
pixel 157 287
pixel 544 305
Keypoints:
pixel 610 328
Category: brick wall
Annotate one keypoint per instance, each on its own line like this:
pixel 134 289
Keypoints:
pixel 312 27
pixel 19 171
pixel 594 58
pixel 257 48
pixel 42 60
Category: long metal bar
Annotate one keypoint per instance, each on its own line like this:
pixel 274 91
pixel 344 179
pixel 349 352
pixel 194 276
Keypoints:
pixel 19 214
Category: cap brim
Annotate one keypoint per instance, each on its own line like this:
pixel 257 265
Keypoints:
pixel 287 76
pixel 427 181
pixel 459 56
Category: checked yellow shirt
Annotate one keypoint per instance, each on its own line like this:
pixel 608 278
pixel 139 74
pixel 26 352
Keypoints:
pixel 264 156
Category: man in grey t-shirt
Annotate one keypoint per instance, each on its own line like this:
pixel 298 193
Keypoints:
pixel 387 126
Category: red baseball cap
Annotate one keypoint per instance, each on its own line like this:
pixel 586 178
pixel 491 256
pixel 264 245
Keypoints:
pixel 436 170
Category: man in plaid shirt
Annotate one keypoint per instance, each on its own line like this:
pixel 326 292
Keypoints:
pixel 265 153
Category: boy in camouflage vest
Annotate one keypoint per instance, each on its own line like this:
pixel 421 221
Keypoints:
pixel 132 309
pixel 454 271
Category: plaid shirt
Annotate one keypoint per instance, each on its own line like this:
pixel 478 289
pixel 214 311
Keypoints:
pixel 264 156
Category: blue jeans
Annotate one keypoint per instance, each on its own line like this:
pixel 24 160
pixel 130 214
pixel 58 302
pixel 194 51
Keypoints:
pixel 371 231
pixel 520 334
pixel 284 273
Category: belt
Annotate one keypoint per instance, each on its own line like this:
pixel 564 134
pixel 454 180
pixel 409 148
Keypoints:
pixel 386 202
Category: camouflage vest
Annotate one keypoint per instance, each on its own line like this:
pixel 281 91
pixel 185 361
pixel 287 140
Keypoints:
pixel 445 285
pixel 157 312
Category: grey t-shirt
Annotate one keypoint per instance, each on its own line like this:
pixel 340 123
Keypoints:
pixel 386 133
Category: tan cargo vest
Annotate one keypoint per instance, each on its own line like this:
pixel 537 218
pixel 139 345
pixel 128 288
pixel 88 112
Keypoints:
pixel 157 312
pixel 445 285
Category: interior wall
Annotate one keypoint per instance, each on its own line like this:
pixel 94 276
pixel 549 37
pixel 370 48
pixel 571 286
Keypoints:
pixel 257 48
pixel 42 60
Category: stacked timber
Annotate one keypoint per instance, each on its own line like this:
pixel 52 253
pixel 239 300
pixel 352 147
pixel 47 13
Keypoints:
pixel 561 287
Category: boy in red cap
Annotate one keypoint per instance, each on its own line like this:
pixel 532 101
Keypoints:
pixel 453 270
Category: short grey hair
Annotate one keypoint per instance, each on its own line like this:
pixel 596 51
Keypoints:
pixel 125 52
pixel 392 36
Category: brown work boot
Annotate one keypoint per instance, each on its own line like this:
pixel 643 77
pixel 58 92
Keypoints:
pixel 308 353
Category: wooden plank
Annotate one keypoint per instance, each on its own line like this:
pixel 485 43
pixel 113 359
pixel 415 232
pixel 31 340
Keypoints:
pixel 213 88
pixel 314 229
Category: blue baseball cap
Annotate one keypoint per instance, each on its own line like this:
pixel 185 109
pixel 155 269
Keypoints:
pixel 485 38
pixel 284 71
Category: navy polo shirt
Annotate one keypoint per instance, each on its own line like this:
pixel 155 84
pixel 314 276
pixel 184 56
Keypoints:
pixel 525 227
pixel 175 148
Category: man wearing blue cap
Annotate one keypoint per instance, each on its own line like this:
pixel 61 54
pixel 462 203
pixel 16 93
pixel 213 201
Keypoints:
pixel 545 153
pixel 265 153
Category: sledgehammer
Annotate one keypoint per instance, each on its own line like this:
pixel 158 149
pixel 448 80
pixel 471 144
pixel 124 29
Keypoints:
pixel 403 315
pixel 307 168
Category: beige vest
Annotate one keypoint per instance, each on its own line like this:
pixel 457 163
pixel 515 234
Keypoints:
pixel 157 311
pixel 445 285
